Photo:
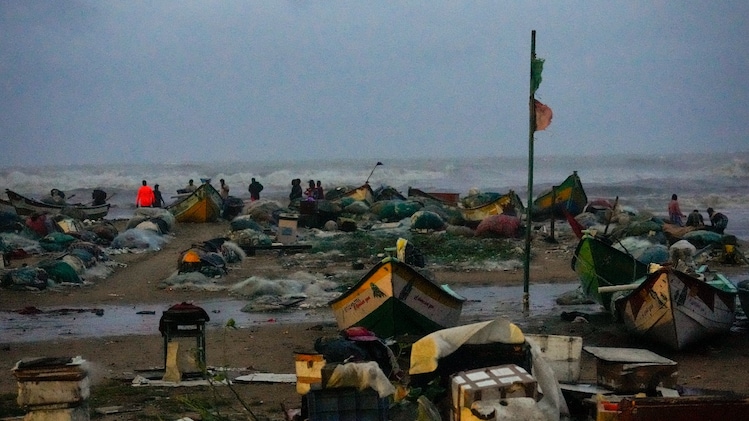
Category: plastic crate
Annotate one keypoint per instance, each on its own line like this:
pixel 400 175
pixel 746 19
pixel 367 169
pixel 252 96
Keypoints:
pixel 344 404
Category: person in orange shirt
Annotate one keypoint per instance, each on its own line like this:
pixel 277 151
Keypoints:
pixel 145 197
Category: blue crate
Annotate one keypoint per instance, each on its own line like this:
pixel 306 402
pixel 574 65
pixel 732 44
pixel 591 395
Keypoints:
pixel 346 404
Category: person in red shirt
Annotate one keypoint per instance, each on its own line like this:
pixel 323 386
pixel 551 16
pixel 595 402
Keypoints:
pixel 145 197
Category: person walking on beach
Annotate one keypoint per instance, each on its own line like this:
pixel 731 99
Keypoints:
pixel 674 211
pixel 255 188
pixel 145 197
pixel 718 221
pixel 158 200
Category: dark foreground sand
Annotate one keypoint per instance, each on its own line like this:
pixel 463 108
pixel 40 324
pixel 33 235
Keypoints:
pixel 269 347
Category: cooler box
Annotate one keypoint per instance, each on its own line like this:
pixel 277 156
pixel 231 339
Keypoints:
pixel 346 404
pixel 490 383
pixel 51 382
pixel 561 352
pixel 287 226
pixel 632 370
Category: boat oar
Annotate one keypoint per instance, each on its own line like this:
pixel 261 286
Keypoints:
pixel 372 172
pixel 615 288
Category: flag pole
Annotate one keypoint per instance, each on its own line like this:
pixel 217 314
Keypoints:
pixel 528 225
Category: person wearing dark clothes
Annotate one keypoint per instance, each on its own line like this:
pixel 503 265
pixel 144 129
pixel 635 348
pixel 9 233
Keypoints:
pixel 158 200
pixel 296 190
pixel 695 219
pixel 718 221
pixel 99 196
pixel 319 192
pixel 255 188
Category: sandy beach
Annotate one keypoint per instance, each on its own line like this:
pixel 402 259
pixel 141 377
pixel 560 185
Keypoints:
pixel 269 347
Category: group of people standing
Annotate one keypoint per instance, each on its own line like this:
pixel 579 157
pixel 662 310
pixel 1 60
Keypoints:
pixel 151 197
pixel 148 197
pixel 314 190
pixel 718 221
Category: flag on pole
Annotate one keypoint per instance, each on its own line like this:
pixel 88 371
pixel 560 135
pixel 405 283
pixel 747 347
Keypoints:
pixel 537 66
pixel 543 115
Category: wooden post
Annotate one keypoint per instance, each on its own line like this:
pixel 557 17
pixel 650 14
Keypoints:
pixel 551 238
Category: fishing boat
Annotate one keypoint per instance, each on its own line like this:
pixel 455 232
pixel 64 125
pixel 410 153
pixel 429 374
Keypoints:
pixel 26 206
pixel 477 207
pixel 202 205
pixel 676 309
pixel 393 299
pixel 568 196
pixel 6 206
pixel 445 198
pixel 362 193
pixel 598 264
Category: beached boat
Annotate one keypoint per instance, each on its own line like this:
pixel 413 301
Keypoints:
pixel 450 199
pixel 26 206
pixel 394 299
pixel 6 206
pixel 598 264
pixel 202 205
pixel 474 211
pixel 567 197
pixel 676 309
pixel 362 193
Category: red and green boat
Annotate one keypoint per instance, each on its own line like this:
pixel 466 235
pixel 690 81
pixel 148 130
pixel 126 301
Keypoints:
pixel 394 299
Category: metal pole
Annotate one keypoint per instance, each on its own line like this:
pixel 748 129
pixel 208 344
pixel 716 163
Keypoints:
pixel 528 224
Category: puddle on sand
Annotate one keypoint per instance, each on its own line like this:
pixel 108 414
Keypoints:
pixel 482 303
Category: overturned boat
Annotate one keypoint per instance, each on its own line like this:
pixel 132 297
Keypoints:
pixel 27 206
pixel 393 299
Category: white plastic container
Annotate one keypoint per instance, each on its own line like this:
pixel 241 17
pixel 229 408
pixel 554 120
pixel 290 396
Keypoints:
pixel 561 352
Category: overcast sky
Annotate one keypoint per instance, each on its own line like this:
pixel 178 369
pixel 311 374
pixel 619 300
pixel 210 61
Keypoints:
pixel 185 81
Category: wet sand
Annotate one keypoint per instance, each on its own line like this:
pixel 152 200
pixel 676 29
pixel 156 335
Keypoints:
pixel 268 344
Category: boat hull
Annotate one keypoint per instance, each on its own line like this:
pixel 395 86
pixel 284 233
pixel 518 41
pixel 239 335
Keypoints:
pixel 598 264
pixel 362 193
pixel 26 206
pixel 505 203
pixel 567 197
pixel 393 299
pixel 449 199
pixel 202 205
pixel 677 310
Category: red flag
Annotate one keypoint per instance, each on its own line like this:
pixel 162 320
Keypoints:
pixel 543 115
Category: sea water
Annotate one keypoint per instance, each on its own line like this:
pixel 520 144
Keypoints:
pixel 642 182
